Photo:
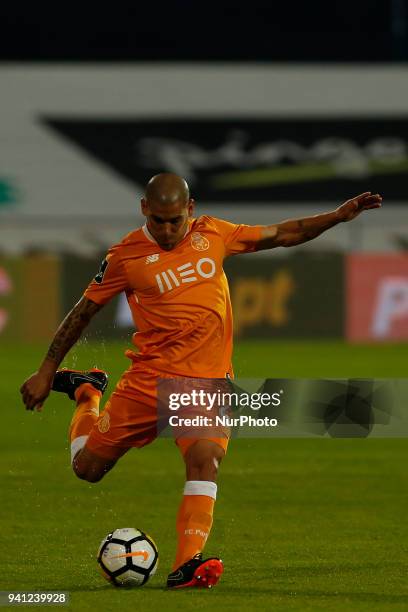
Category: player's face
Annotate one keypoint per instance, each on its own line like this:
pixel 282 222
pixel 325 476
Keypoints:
pixel 167 223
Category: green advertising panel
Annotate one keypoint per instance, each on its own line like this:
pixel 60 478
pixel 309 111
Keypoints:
pixel 294 296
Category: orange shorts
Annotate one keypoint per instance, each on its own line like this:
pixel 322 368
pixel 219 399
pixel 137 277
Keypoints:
pixel 130 417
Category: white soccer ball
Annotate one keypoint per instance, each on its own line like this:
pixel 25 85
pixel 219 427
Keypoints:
pixel 128 557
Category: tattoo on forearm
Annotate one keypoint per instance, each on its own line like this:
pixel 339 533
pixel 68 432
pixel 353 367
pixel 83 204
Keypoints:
pixel 71 328
pixel 296 231
pixel 311 227
pixel 308 233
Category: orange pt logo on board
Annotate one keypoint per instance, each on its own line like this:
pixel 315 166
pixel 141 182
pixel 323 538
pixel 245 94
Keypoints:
pixel 199 242
pixel 104 422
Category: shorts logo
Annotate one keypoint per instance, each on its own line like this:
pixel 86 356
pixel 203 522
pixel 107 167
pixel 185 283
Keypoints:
pixel 199 242
pixel 104 422
pixel 152 258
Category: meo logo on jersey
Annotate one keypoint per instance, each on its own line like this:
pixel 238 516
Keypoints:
pixel 186 273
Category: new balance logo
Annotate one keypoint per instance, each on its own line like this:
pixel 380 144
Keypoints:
pixel 186 273
pixel 152 258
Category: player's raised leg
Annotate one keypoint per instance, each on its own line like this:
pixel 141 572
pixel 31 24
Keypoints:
pixel 86 388
pixel 195 515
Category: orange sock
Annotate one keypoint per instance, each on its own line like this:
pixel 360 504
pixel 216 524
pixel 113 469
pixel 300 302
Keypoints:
pixel 194 519
pixel 85 415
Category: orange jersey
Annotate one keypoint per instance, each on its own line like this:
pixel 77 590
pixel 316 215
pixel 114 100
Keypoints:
pixel 179 299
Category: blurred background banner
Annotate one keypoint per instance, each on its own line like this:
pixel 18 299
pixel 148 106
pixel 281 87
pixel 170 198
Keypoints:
pixel 237 159
pixel 258 143
pixel 279 297
pixel 30 308
pixel 377 297
pixel 304 294
pixel 271 297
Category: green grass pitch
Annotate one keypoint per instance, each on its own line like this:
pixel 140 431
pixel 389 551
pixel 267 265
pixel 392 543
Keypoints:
pixel 311 524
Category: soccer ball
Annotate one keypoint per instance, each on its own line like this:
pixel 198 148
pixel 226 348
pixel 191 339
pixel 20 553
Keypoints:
pixel 128 557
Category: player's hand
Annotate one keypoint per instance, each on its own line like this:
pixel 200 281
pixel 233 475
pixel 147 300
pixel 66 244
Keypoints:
pixel 35 390
pixel 352 208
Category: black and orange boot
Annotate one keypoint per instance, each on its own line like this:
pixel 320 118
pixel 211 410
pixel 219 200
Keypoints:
pixel 67 381
pixel 196 573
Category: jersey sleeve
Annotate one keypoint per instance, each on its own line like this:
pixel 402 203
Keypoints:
pixel 238 238
pixel 109 281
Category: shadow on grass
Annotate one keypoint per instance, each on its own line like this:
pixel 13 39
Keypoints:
pixel 327 569
pixel 82 588
pixel 226 589
pixel 257 584
pixel 318 594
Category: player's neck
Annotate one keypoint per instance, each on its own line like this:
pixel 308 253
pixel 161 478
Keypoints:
pixel 150 236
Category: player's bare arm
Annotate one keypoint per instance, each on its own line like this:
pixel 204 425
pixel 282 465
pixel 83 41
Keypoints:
pixel 296 231
pixel 36 388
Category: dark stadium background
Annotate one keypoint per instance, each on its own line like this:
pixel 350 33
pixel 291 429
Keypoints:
pixel 305 523
pixel 337 31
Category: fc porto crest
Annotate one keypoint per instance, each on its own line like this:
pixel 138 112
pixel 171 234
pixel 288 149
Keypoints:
pixel 199 242
pixel 104 422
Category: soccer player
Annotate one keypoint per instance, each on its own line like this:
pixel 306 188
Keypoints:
pixel 171 270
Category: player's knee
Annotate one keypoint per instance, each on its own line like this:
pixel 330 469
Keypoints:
pixel 88 473
pixel 90 476
pixel 203 461
pixel 208 470
pixel 94 476
pixel 212 464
